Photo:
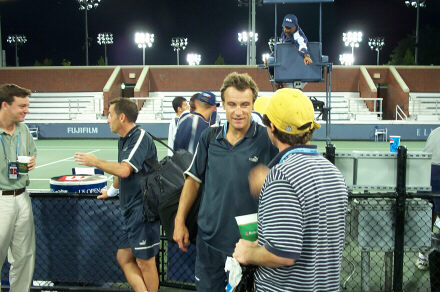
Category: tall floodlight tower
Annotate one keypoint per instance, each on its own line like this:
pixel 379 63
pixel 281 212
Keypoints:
pixel 416 4
pixel 16 40
pixel 105 38
pixel 244 38
pixel 144 40
pixel 87 5
pixel 376 44
pixel 179 43
pixel 193 59
pixel 250 46
pixel 352 39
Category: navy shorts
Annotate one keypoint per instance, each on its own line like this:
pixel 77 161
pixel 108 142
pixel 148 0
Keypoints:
pixel 210 272
pixel 435 184
pixel 141 236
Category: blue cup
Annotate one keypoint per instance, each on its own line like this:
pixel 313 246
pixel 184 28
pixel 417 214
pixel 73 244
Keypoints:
pixel 394 143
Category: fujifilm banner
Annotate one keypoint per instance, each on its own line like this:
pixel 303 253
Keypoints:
pixel 89 130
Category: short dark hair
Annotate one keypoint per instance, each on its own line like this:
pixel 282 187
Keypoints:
pixel 8 91
pixel 192 102
pixel 240 82
pixel 291 139
pixel 177 102
pixel 127 107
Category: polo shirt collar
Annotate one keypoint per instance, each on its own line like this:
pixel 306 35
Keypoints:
pixel 131 132
pixel 280 155
pixel 251 132
pixel 200 115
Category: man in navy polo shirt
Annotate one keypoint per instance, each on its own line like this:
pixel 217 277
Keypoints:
pixel 302 205
pixel 222 162
pixel 191 126
pixel 140 239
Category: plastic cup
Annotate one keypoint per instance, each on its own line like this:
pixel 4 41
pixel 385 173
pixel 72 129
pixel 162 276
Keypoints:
pixel 247 224
pixel 23 164
pixel 394 143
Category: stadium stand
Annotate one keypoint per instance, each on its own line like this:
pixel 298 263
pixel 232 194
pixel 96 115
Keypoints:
pixel 65 106
pixel 424 106
pixel 345 106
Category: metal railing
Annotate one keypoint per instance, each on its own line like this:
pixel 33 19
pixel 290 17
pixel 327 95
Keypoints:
pixel 400 114
pixel 425 106
pixel 153 106
pixel 357 104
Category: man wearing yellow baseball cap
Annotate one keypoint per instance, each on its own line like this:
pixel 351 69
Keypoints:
pixel 302 204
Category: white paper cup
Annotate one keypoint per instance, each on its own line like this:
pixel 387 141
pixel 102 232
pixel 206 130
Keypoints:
pixel 23 164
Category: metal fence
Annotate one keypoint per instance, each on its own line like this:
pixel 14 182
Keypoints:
pixel 77 239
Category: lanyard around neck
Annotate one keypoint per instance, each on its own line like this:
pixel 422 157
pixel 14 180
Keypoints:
pixel 300 150
pixel 4 147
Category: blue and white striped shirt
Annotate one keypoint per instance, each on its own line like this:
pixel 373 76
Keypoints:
pixel 301 215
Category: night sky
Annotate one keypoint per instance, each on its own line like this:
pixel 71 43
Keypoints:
pixel 55 28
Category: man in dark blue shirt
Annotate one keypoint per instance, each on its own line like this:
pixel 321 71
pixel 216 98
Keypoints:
pixel 140 239
pixel 222 162
pixel 192 125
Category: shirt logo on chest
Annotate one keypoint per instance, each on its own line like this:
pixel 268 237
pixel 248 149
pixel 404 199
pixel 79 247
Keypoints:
pixel 253 158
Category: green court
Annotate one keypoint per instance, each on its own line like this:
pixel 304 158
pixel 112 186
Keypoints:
pixel 55 157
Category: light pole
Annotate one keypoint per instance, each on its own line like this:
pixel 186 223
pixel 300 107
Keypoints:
pixel 376 44
pixel 193 59
pixel 346 59
pixel 16 40
pixel 179 43
pixel 416 4
pixel 245 38
pixel 251 48
pixel 87 5
pixel 272 41
pixel 105 38
pixel 352 39
pixel 143 40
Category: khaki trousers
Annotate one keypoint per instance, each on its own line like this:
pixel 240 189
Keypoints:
pixel 17 239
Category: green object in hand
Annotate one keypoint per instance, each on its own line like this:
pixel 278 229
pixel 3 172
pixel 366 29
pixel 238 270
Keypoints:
pixel 247 224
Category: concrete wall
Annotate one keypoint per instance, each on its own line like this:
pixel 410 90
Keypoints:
pixel 197 78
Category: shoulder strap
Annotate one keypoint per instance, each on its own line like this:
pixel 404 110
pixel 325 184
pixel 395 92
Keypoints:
pixel 161 142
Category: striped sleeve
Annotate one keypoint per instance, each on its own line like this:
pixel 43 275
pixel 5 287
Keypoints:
pixel 282 223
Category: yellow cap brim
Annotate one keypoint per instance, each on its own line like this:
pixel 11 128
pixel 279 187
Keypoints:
pixel 260 105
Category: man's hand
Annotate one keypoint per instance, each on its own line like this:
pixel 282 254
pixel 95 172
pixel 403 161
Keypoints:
pixel 181 236
pixel 103 195
pixel 31 163
pixel 307 60
pixel 243 251
pixel 85 159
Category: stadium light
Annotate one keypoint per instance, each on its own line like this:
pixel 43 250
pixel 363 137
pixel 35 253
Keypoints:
pixel 265 57
pixel 376 44
pixel 416 4
pixel 352 39
pixel 272 41
pixel 16 40
pixel 246 38
pixel 179 43
pixel 346 59
pixel 193 59
pixel 143 40
pixel 87 5
pixel 105 38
